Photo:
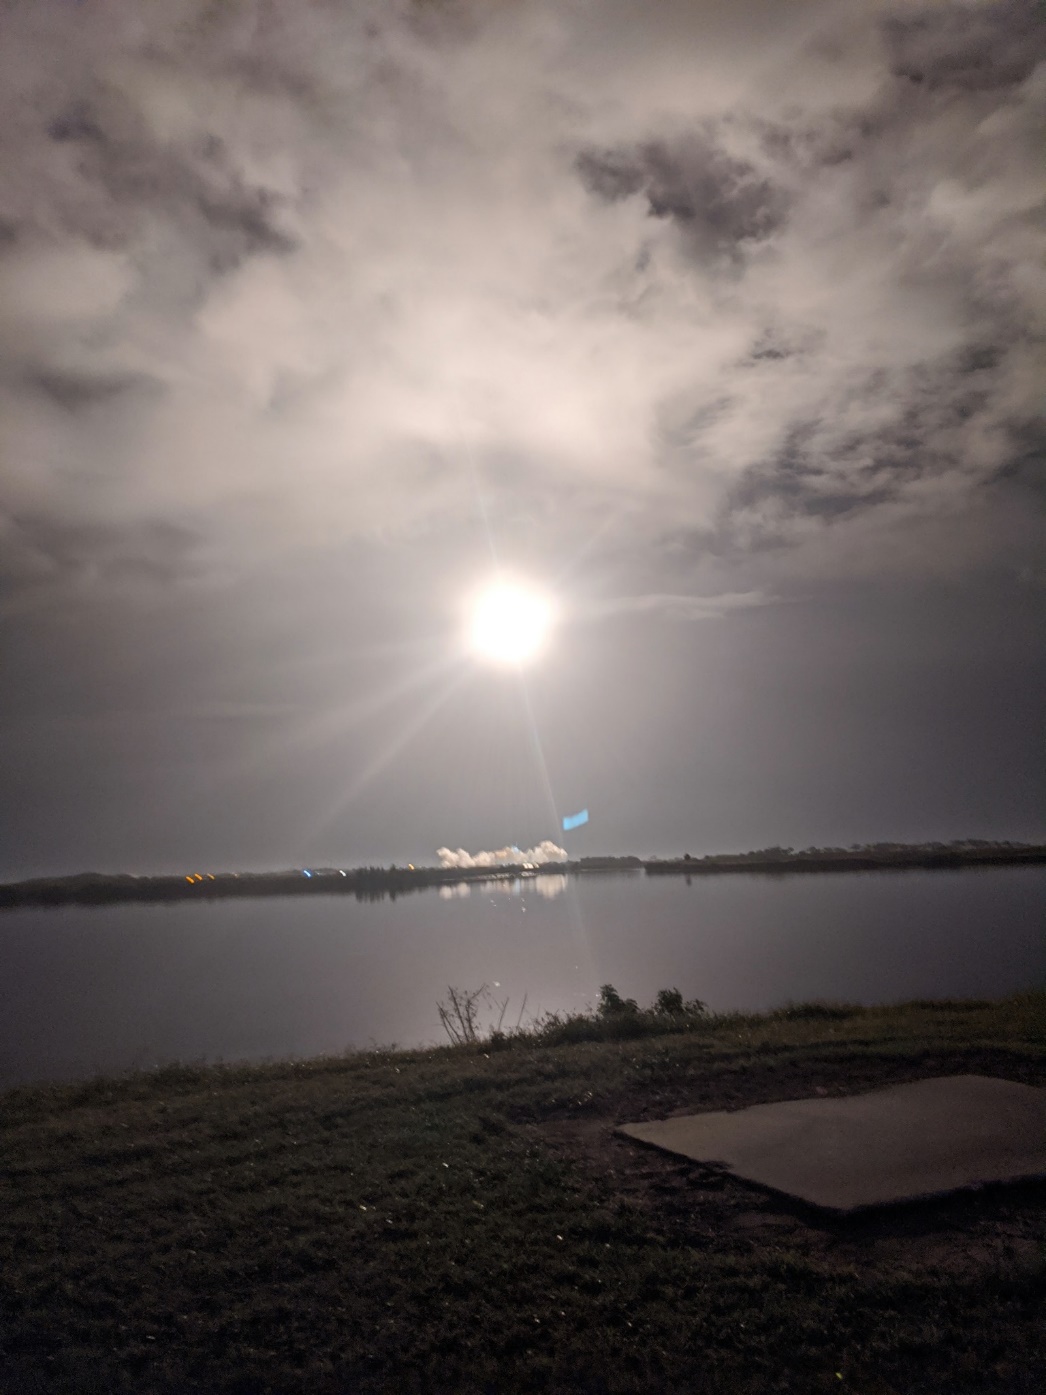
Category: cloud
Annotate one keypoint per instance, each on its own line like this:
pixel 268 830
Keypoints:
pixel 966 48
pixel 544 852
pixel 743 277
pixel 722 204
pixel 680 607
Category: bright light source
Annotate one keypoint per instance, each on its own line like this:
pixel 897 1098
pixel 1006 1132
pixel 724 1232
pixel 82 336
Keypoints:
pixel 509 623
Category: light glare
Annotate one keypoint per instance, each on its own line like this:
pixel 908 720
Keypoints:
pixel 509 624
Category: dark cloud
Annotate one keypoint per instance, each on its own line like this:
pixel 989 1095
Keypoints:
pixel 75 392
pixel 76 124
pixel 966 48
pixel 720 202
pixel 195 186
pixel 820 473
pixel 40 557
pixel 1026 461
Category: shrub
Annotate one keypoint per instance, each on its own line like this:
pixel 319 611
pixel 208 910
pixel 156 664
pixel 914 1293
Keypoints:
pixel 669 1002
pixel 611 1002
pixel 614 1019
pixel 460 1014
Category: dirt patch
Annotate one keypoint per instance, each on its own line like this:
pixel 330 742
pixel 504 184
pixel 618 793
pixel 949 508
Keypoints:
pixel 999 1229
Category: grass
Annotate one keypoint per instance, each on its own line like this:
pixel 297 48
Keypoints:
pixel 464 1219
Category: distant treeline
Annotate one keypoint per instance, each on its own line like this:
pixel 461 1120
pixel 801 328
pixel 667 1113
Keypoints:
pixel 860 857
pixel 364 883
pixel 377 883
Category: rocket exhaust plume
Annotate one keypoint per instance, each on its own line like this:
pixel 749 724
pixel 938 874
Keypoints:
pixel 543 852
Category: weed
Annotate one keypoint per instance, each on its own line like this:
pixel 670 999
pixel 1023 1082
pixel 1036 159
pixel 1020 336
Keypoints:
pixel 460 1014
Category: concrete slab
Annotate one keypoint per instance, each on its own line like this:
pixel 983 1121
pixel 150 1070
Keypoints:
pixel 896 1144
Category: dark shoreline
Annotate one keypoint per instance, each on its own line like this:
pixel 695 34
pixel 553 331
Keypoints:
pixel 915 858
pixel 376 883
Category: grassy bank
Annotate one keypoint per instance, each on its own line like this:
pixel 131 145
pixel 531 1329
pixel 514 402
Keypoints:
pixel 464 1219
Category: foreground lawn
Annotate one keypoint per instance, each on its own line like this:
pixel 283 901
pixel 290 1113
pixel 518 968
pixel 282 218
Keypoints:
pixel 464 1219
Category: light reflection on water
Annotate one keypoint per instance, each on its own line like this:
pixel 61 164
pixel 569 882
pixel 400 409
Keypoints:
pixel 546 885
pixel 551 886
pixel 106 988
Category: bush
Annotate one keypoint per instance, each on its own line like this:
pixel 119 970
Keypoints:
pixel 669 1002
pixel 614 1019
pixel 612 1004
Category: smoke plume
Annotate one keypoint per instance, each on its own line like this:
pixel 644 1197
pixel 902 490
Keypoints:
pixel 543 852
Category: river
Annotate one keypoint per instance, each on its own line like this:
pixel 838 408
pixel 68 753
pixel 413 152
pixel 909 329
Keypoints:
pixel 104 989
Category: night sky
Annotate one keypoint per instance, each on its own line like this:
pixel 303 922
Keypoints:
pixel 719 325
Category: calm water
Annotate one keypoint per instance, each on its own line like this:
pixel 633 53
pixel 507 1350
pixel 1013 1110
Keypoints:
pixel 103 989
